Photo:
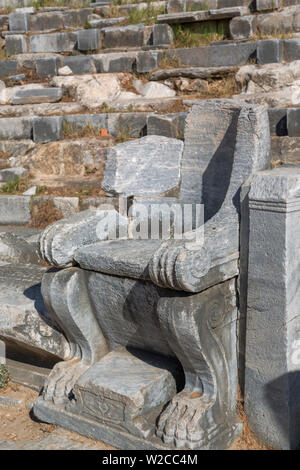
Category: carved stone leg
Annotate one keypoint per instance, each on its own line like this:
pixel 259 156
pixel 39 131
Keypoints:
pixel 66 297
pixel 201 330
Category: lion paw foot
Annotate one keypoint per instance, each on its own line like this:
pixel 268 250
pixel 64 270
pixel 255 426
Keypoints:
pixel 61 380
pixel 181 423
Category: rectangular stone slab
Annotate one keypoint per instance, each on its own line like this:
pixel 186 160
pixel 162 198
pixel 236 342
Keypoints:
pixel 127 389
pixel 56 414
pixel 39 95
pixel 203 15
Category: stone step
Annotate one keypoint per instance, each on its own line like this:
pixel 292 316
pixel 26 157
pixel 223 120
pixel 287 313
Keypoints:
pixel 43 129
pixel 177 6
pixel 129 8
pixel 232 54
pixel 203 15
pixel 94 39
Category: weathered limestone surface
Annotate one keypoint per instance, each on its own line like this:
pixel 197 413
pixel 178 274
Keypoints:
pixel 285 149
pixel 45 95
pixel 19 128
pixel 152 337
pixel 126 36
pixel 15 210
pixel 204 15
pixel 242 27
pixel 16 44
pixel 59 42
pixel 14 249
pixel 169 125
pixel 47 129
pixel 272 349
pixel 24 323
pixel 155 159
pixel 278 85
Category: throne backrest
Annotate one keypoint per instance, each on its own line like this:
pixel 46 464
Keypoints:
pixel 225 143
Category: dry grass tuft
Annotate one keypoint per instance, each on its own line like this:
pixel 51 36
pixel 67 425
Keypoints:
pixel 44 213
pixel 247 440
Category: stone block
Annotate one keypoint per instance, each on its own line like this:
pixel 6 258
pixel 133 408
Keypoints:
pixel 169 125
pixel 14 249
pixel 293 122
pixel 162 35
pixel 262 5
pixel 133 125
pixel 8 67
pixel 47 129
pixel 214 56
pixel 16 44
pixel 16 128
pixel 269 51
pixel 291 49
pixel 115 62
pixel 126 36
pixel 17 78
pixel 15 210
pixel 76 18
pixel 203 15
pixel 285 149
pixel 39 95
pixel 13 174
pixel 79 64
pixel 147 61
pixel 56 42
pixel 242 27
pixel 133 398
pixel 95 21
pixel 66 205
pixel 46 21
pixel 156 159
pixel 88 39
pixel 278 121
pixel 175 6
pixel 79 121
pixel 271 23
pixel 272 380
pixel 19 22
pixel 46 67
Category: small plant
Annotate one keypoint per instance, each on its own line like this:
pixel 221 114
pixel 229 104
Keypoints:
pixel 195 7
pixel 44 213
pixel 4 376
pixel 14 186
pixel 146 15
pixel 59 3
pixel 169 62
pixel 187 36
pixel 122 135
pixel 70 131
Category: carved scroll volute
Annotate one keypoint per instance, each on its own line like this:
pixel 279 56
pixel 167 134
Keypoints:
pixel 176 267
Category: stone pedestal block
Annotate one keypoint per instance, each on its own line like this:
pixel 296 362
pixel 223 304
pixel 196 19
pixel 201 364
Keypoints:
pixel 272 386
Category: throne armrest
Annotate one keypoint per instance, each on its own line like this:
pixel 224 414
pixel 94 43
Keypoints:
pixel 60 240
pixel 168 264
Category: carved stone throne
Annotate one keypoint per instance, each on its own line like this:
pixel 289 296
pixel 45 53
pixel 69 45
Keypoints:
pixel 153 324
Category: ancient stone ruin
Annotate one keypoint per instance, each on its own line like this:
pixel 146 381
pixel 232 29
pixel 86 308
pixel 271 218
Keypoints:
pixel 149 215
